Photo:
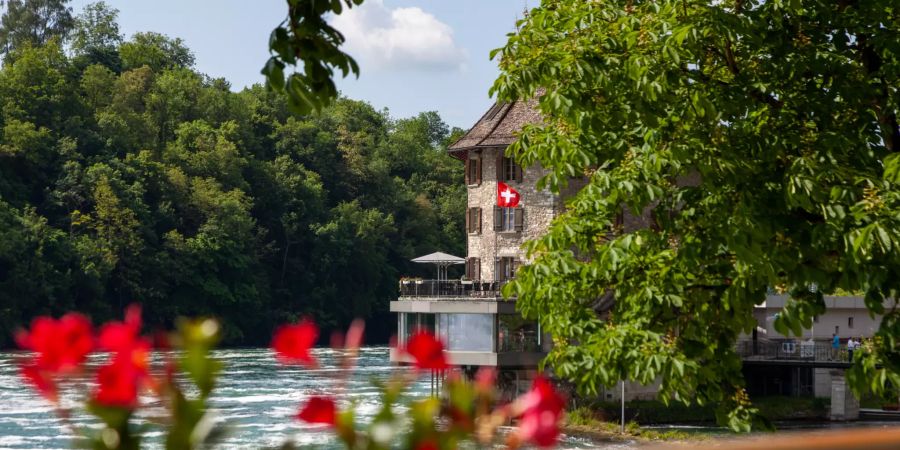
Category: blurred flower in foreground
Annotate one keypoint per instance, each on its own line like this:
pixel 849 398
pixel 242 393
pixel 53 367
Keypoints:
pixel 61 345
pixel 319 410
pixel 427 351
pixel 119 381
pixel 541 411
pixel 293 342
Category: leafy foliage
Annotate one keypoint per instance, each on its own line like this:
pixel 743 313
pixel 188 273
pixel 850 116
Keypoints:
pixel 752 145
pixel 306 38
pixel 33 22
pixel 139 179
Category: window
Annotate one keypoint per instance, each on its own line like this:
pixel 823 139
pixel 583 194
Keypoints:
pixel 473 220
pixel 507 169
pixel 473 168
pixel 508 219
pixel 411 323
pixel 516 334
pixel 506 268
pixel 473 268
pixel 850 323
pixel 467 332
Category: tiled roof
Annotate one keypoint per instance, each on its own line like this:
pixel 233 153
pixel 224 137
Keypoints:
pixel 497 127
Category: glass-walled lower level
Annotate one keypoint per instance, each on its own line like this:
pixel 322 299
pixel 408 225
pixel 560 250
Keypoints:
pixel 475 332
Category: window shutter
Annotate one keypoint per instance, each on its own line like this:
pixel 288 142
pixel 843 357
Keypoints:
pixel 500 166
pixel 469 268
pixel 478 219
pixel 498 218
pixel 468 165
pixel 478 169
pixel 469 220
pixel 498 269
pixel 476 268
pixel 520 220
pixel 519 174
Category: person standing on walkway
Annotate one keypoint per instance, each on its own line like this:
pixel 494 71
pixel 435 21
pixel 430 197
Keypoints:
pixel 851 345
pixel 835 346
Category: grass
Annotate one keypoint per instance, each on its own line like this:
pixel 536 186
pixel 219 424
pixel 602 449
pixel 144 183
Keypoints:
pixel 586 420
pixel 655 412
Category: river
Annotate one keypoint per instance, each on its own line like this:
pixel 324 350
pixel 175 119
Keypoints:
pixel 255 397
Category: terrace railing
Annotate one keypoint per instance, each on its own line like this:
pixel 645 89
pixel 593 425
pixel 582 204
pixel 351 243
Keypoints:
pixel 450 288
pixel 791 350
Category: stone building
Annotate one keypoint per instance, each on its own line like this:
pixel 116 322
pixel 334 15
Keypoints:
pixel 478 326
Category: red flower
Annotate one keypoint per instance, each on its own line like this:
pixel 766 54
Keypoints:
pixel 61 345
pixel 42 381
pixel 121 379
pixel 292 343
pixel 541 410
pixel 118 384
pixel 427 445
pixel 427 351
pixel 122 336
pixel 319 410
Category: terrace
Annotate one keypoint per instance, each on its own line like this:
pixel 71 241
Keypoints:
pixel 417 289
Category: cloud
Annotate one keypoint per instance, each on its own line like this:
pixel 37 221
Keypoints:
pixel 409 38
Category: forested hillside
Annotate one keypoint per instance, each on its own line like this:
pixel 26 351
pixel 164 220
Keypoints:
pixel 127 176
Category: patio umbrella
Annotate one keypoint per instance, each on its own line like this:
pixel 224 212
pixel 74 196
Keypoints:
pixel 441 261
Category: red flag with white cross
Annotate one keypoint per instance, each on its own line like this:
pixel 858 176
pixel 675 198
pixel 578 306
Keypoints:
pixel 507 197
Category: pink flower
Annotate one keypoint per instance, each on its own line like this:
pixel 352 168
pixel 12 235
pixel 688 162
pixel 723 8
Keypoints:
pixel 292 343
pixel 541 411
pixel 427 351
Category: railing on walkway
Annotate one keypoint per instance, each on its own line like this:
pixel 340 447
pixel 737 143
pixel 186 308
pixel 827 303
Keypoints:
pixel 450 288
pixel 526 341
pixel 791 350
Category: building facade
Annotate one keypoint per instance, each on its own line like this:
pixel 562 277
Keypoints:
pixel 479 326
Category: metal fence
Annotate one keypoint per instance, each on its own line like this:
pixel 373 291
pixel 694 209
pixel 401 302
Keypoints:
pixel 519 342
pixel 812 351
pixel 450 288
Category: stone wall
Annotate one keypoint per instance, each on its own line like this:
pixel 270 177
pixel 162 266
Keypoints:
pixel 540 207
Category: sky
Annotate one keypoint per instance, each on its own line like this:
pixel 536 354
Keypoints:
pixel 414 56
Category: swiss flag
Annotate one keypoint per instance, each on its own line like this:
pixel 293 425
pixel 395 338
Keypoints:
pixel 507 197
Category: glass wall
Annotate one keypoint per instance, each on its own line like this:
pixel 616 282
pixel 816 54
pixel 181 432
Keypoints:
pixel 515 334
pixel 467 332
pixel 412 322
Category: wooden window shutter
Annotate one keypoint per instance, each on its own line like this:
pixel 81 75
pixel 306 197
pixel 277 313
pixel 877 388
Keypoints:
pixel 518 171
pixel 498 218
pixel 469 268
pixel 520 219
pixel 478 168
pixel 468 164
pixel 498 269
pixel 470 227
pixel 476 268
pixel 500 166
pixel 478 212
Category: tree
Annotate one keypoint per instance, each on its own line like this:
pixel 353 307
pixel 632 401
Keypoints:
pixel 96 35
pixel 33 22
pixel 155 50
pixel 756 141
pixel 96 28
